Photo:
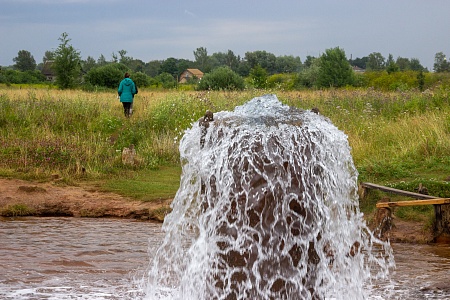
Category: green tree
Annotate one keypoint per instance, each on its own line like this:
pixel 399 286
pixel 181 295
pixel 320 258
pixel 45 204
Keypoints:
pixel 123 56
pixel 264 59
pixel 359 62
pixel 243 68
pixel 114 58
pixel 309 61
pixel 440 63
pixel 136 65
pixel 202 59
pixel 130 62
pixel 101 61
pixel 415 65
pixel 232 61
pixel 48 56
pixel 308 77
pixel 222 78
pixel 403 63
pixel 220 59
pixel 67 63
pixel 24 61
pixel 184 64
pixel 152 68
pixel 288 64
pixel 170 66
pixel 334 69
pixel 391 65
pixel 88 64
pixel 376 62
pixel 390 59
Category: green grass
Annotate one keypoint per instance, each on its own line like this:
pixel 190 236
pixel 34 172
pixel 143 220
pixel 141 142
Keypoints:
pixel 16 210
pixel 399 139
pixel 147 185
pixel 415 213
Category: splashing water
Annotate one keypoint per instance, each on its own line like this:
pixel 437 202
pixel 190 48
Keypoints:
pixel 267 209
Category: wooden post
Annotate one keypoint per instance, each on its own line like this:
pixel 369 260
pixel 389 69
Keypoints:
pixel 383 219
pixel 442 223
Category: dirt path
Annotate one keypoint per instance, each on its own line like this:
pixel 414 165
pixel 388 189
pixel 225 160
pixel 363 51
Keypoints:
pixel 47 199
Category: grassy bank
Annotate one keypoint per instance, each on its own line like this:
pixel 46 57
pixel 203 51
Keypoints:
pixel 399 139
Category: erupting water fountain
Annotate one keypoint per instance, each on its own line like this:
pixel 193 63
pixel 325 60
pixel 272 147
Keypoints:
pixel 267 209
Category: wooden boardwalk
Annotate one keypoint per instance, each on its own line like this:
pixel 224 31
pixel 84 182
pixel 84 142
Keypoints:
pixel 423 199
pixel 441 226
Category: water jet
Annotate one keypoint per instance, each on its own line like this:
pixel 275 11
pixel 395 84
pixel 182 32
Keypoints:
pixel 267 209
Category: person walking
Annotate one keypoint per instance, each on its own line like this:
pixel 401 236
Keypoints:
pixel 127 90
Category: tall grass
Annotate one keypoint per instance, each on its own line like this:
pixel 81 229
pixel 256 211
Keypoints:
pixel 394 136
pixel 82 134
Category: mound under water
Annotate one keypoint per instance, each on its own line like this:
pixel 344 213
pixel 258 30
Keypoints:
pixel 267 209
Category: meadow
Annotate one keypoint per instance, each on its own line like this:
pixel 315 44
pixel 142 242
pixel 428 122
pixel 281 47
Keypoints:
pixel 399 139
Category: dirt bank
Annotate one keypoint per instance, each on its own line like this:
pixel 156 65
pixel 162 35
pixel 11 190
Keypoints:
pixel 47 199
pixel 19 197
pixel 409 232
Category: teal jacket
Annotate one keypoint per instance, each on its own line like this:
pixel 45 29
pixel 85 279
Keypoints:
pixel 126 90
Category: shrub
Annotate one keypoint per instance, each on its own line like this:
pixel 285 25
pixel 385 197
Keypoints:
pixel 334 69
pixel 106 76
pixel 398 81
pixel 282 81
pixel 222 78
pixel 19 77
pixel 309 76
pixel 141 79
pixel 258 77
pixel 166 80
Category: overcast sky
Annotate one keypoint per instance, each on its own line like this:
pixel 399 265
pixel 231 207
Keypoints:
pixel 156 30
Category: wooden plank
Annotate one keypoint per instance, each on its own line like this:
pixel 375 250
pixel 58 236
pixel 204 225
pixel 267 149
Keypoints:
pixel 395 191
pixel 436 201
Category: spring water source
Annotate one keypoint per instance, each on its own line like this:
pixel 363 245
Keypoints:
pixel 267 209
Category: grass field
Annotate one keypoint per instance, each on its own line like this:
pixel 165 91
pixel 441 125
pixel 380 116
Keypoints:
pixel 399 139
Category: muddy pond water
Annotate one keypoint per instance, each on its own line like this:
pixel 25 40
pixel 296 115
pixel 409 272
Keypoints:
pixel 78 258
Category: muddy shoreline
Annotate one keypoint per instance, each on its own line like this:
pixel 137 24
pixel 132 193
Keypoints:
pixel 20 197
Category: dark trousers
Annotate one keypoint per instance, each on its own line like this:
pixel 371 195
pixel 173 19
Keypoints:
pixel 127 108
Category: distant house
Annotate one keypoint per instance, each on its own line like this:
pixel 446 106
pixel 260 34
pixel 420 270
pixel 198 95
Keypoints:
pixel 357 69
pixel 189 74
pixel 48 72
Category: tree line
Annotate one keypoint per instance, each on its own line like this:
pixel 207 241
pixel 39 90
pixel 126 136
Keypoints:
pixel 223 70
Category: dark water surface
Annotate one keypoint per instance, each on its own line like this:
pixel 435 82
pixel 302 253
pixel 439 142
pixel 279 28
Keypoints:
pixel 72 258
pixel 76 258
